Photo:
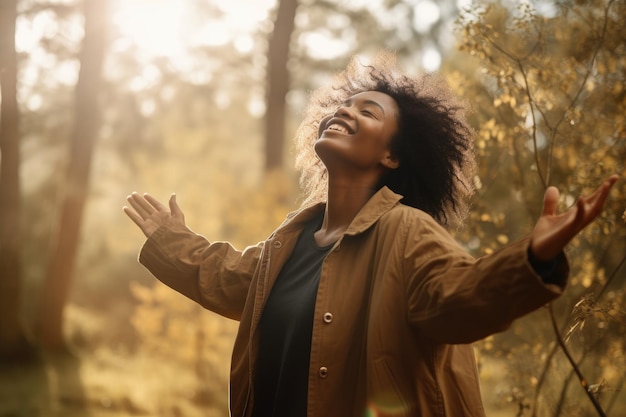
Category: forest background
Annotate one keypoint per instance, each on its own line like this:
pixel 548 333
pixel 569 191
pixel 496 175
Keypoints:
pixel 100 98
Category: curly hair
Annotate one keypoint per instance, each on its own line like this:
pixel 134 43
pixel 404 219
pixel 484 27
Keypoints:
pixel 433 143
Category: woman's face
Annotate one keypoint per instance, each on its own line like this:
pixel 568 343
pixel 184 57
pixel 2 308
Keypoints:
pixel 357 136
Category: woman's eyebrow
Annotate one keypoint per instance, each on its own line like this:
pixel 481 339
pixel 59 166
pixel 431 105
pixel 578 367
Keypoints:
pixel 374 103
pixel 366 102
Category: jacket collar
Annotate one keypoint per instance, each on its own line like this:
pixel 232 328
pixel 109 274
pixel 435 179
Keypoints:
pixel 380 203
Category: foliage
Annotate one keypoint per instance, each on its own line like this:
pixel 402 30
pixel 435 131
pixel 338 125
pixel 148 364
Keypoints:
pixel 548 96
pixel 340 30
pixel 549 101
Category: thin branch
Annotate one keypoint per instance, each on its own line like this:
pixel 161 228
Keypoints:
pixel 531 101
pixel 581 377
pixel 544 372
pixel 574 100
pixel 569 377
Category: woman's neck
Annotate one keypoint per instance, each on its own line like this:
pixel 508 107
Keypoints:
pixel 345 200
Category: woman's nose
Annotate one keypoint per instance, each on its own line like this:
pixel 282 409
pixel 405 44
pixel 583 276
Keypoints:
pixel 344 111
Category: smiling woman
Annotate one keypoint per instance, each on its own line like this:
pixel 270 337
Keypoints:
pixel 364 304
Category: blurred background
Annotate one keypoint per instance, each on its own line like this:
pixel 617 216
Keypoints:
pixel 100 98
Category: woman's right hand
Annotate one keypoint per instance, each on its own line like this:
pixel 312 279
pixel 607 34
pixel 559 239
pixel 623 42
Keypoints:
pixel 149 214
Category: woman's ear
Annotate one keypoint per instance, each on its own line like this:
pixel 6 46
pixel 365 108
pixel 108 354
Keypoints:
pixel 390 161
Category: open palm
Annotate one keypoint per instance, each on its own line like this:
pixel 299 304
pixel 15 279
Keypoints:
pixel 149 214
pixel 553 231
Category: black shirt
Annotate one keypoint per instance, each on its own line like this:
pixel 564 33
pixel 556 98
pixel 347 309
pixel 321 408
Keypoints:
pixel 281 377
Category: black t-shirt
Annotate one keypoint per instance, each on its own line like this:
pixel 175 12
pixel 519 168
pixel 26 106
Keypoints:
pixel 281 377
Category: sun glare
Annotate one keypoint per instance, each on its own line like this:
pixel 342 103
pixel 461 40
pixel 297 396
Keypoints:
pixel 168 28
pixel 154 26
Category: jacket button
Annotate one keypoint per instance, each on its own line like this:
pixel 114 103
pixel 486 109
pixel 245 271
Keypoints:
pixel 328 317
pixel 277 244
pixel 323 372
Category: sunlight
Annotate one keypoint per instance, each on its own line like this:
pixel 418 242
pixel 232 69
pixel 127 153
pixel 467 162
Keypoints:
pixel 321 44
pixel 168 28
pixel 431 59
pixel 153 25
pixel 243 15
pixel 44 67
pixel 427 13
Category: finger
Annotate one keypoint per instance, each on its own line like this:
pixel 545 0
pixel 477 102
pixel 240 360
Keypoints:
pixel 154 202
pixel 603 189
pixel 550 201
pixel 612 180
pixel 608 184
pixel 174 209
pixel 141 206
pixel 148 203
pixel 138 220
pixel 595 201
pixel 588 208
pixel 580 220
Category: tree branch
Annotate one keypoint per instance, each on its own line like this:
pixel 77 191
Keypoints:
pixel 581 377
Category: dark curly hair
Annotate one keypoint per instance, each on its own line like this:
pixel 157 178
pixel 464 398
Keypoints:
pixel 433 143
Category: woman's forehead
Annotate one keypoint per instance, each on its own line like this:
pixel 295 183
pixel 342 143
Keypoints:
pixel 378 97
pixel 369 94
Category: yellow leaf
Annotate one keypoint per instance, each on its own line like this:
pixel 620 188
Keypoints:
pixel 503 239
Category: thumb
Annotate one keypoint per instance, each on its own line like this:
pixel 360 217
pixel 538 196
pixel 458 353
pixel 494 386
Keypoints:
pixel 550 201
pixel 174 209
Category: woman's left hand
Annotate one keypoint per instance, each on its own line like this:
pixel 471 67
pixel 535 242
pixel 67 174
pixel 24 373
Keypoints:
pixel 553 231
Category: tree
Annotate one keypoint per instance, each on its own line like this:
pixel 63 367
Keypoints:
pixel 49 323
pixel 550 102
pixel 12 339
pixel 278 83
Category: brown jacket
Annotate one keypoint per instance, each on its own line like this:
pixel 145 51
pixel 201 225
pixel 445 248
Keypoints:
pixel 397 306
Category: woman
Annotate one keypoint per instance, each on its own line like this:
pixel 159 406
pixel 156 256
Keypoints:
pixel 361 303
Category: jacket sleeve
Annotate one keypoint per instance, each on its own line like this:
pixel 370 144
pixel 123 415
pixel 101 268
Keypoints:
pixel 454 298
pixel 215 275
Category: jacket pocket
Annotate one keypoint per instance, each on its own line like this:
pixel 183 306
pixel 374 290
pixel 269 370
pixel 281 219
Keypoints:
pixel 386 398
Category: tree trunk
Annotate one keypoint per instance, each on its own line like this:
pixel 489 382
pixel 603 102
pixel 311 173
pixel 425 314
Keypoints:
pixel 56 286
pixel 278 83
pixel 13 344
